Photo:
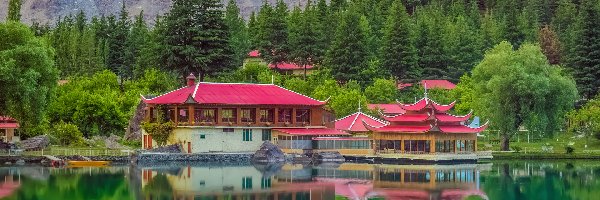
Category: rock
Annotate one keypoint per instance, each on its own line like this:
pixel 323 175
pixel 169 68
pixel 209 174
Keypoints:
pixel 112 142
pixel 20 162
pixel 268 153
pixel 8 163
pixel 134 129
pixel 36 143
pixel 166 149
pixel 328 156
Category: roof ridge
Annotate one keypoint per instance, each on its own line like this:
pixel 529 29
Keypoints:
pixel 164 93
pixel 354 121
pixel 345 117
pixel 298 93
pixel 217 83
pixel 376 119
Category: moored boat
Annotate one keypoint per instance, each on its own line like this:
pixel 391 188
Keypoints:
pixel 88 163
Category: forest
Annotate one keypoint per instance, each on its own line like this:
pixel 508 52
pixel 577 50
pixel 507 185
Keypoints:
pixel 361 48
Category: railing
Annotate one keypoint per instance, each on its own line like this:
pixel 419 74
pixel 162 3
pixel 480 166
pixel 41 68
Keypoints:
pixel 69 152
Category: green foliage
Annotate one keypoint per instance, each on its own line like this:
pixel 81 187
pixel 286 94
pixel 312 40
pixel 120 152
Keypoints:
pixel 382 91
pixel 586 66
pixel 398 51
pixel 67 134
pixel 239 40
pixel 160 130
pixel 347 101
pixel 517 149
pixel 28 76
pixel 14 10
pixel 347 55
pixel 520 88
pixel 196 38
pixel 273 32
pixel 586 120
pixel 569 149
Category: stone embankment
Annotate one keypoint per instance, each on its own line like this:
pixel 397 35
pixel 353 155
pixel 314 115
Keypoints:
pixel 162 158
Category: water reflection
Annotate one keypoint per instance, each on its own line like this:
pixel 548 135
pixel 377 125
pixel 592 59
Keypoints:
pixel 348 180
pixel 499 180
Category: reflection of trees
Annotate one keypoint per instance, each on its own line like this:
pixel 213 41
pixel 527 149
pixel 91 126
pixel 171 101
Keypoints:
pixel 555 181
pixel 159 188
pixel 74 185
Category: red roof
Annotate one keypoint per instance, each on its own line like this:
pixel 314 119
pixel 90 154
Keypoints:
pixel 401 129
pixel 440 84
pixel 288 66
pixel 254 54
pixel 407 118
pixel 422 103
pixel 403 85
pixel 445 117
pixel 234 94
pixel 341 138
pixel 9 125
pixel 391 108
pixel 461 129
pixel 354 123
pixel 310 131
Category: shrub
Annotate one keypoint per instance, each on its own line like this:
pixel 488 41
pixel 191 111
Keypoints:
pixel 517 149
pixel 67 134
pixel 569 149
pixel 160 132
pixel 132 143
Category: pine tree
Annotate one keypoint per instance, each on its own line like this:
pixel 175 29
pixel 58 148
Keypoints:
pixel 463 47
pixel 253 31
pixel 586 69
pixel 512 28
pixel 196 38
pixel 273 33
pixel 431 51
pixel 306 48
pixel 565 26
pixel 347 55
pixel 116 58
pixel 397 53
pixel 136 40
pixel 239 40
pixel 491 33
pixel 550 45
pixel 14 10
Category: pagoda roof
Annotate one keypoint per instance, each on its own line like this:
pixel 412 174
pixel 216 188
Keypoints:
pixel 422 103
pixel 426 128
pixel 441 117
pixel 234 94
pixel 288 66
pixel 461 128
pixel 391 108
pixel 354 123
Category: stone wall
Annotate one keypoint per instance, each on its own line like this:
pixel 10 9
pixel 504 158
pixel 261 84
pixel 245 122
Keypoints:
pixel 159 158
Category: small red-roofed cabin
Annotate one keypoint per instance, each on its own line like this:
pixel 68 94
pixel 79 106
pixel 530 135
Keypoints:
pixel 8 127
pixel 426 127
pixel 291 68
pixel 429 84
pixel 253 57
pixel 237 117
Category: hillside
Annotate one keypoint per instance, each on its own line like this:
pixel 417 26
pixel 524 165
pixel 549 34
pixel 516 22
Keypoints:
pixel 48 11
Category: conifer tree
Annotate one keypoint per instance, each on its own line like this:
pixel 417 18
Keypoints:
pixel 550 45
pixel 196 38
pixel 136 40
pixel 253 31
pixel 586 69
pixel 14 10
pixel 116 58
pixel 431 52
pixel 273 32
pixel 397 53
pixel 306 48
pixel 347 55
pixel 512 28
pixel 238 33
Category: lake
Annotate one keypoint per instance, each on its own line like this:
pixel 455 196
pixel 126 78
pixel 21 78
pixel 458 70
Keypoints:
pixel 496 180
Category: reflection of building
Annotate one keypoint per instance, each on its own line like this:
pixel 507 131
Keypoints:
pixel 235 182
pixel 8 126
pixel 238 117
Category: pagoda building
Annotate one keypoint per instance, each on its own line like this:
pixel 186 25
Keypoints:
pixel 426 127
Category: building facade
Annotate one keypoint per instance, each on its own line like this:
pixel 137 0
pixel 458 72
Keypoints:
pixel 8 127
pixel 237 117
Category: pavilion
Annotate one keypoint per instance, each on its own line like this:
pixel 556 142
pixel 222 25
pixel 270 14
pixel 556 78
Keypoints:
pixel 8 127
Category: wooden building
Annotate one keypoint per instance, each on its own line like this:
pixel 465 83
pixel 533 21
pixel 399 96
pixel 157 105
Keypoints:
pixel 425 128
pixel 238 117
pixel 8 127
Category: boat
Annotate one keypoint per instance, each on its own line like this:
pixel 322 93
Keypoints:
pixel 84 163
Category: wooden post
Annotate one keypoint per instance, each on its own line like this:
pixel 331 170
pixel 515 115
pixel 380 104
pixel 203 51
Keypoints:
pixel 218 116
pixel 176 116
pixel 432 145
pixel 238 115
pixel 191 115
pixel 275 116
pixel 257 116
pixel 294 116
pixel 475 145
pixel 454 144
pixel 402 146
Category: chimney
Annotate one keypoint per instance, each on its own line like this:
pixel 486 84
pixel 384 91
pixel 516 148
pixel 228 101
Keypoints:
pixel 191 79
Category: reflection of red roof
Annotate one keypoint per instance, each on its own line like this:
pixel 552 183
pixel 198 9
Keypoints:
pixel 440 84
pixel 403 194
pixel 288 66
pixel 352 189
pixel 310 131
pixel 254 54
pixel 234 94
pixel 8 188
pixel 462 194
pixel 391 108
pixel 354 123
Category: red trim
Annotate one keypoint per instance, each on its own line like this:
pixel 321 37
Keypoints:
pixel 9 125
pixel 462 129
pixel 310 131
pixel 341 138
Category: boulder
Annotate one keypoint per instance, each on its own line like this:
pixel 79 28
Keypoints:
pixel 112 142
pixel 134 128
pixel 268 153
pixel 36 143
pixel 328 156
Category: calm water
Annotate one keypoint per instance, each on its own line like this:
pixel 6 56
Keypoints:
pixel 498 180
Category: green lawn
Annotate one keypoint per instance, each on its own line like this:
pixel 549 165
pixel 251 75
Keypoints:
pixel 558 143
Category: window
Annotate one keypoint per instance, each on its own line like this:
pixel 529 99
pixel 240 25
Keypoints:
pixel 205 115
pixel 267 115
pixel 285 115
pixel 303 116
pixel 183 115
pixel 266 134
pixel 248 114
pixel 202 136
pixel 265 182
pixel 171 114
pixel 228 115
pixel 227 130
pixel 153 114
pixel 247 183
pixel 247 135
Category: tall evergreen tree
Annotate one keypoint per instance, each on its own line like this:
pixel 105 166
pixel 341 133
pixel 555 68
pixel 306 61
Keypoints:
pixel 433 61
pixel 512 28
pixel 347 55
pixel 253 31
pixel 14 10
pixel 239 40
pixel 565 26
pixel 116 44
pixel 550 45
pixel 196 38
pixel 397 53
pixel 136 41
pixel 586 69
pixel 306 48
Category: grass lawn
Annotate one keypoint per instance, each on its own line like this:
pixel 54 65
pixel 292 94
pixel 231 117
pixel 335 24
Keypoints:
pixel 558 143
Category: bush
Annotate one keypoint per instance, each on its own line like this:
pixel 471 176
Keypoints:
pixel 569 149
pixel 160 132
pixel 517 149
pixel 132 143
pixel 67 134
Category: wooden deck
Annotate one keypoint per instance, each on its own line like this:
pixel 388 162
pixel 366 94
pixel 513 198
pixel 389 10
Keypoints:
pixel 422 158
